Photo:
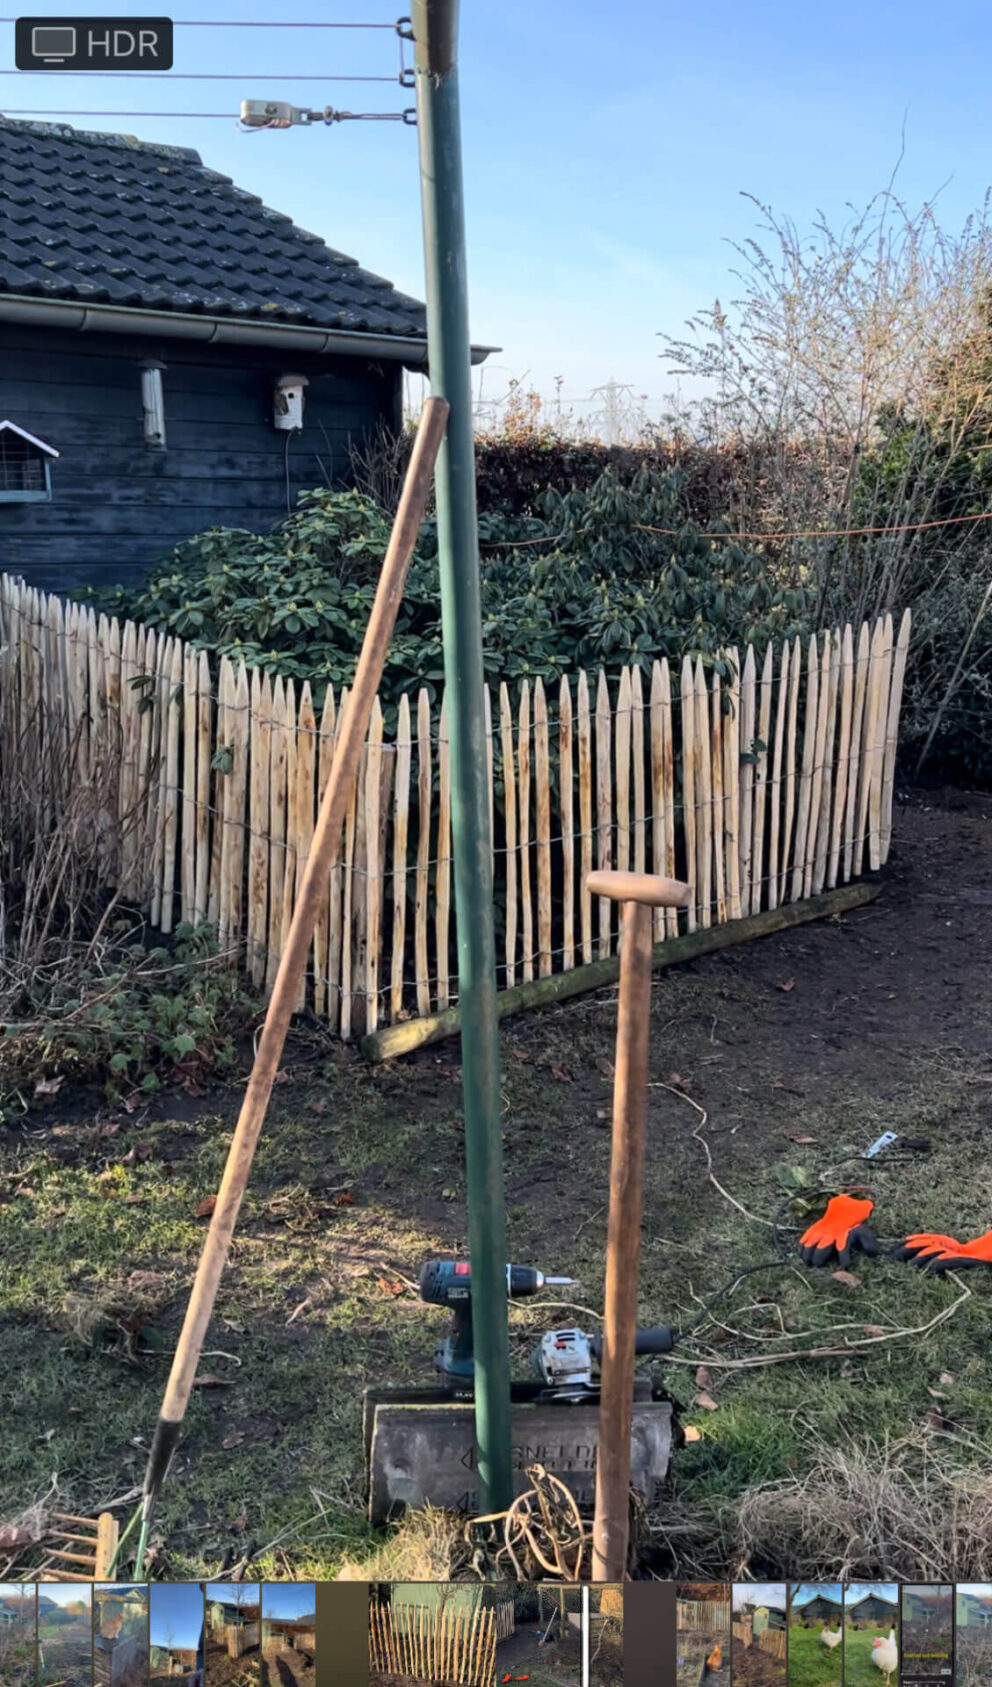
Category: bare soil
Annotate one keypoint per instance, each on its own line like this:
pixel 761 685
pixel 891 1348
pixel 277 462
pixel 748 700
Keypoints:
pixel 779 1056
pixel 69 1658
pixel 221 1670
pixel 751 1667
pixel 288 1668
pixel 694 1647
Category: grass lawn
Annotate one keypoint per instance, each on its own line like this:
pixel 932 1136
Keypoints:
pixel 811 1663
pixel 795 1052
pixel 859 1670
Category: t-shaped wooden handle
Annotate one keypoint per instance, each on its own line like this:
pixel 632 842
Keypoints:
pixel 648 888
pixel 638 893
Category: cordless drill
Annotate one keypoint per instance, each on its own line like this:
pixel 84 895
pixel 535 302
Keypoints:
pixel 448 1282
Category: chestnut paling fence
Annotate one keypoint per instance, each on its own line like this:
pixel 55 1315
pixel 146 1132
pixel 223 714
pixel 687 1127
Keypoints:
pixel 446 1643
pixel 761 786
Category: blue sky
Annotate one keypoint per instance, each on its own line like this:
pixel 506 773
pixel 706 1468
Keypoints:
pixel 289 1599
pixel 229 1592
pixel 860 1590
pixel 759 1593
pixel 803 1592
pixel 176 1614
pixel 72 1593
pixel 606 148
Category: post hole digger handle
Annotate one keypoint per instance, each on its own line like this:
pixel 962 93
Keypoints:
pixel 638 893
pixel 327 832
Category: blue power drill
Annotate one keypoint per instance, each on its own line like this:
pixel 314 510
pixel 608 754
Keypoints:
pixel 448 1282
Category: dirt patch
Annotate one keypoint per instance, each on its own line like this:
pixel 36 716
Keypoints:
pixel 694 1647
pixel 221 1670
pixel 783 1057
pixel 67 1659
pixel 284 1666
pixel 751 1667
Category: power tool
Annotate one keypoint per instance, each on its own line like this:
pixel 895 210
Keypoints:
pixel 448 1282
pixel 564 1359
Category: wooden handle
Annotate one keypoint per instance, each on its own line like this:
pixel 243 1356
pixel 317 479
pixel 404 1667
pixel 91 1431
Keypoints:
pixel 623 1242
pixel 313 886
pixel 649 888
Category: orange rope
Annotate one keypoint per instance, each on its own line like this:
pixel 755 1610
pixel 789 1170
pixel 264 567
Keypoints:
pixel 826 532
pixel 812 533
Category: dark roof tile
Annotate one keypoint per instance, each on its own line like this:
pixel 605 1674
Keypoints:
pixel 110 219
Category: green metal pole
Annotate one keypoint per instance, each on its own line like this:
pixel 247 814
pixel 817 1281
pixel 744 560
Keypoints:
pixel 435 28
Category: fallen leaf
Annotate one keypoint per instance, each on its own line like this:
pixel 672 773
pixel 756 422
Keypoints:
pixel 145 1279
pixel 390 1288
pixel 706 1401
pixel 875 1330
pixel 519 1054
pixel 240 1523
pixel 561 1073
pixel 790 984
pixel 846 1277
pixel 606 1067
pixel 803 1141
pixel 703 1378
pixel 234 1440
pixel 935 1394
pixel 206 1207
pixel 137 1151
pixel 691 1433
pixel 601 1113
pixel 317 1106
pixel 211 1380
pixel 946 1377
pixel 133 1200
pixel 48 1086
pixel 345 1199
pixel 676 1081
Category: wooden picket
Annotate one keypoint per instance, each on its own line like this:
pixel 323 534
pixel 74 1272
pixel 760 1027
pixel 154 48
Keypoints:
pixel 762 779
pixel 450 1645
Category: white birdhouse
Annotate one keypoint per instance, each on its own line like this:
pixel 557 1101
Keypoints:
pixel 287 402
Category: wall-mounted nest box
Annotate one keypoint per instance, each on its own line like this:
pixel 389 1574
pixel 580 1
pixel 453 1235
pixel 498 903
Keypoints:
pixel 287 402
pixel 25 466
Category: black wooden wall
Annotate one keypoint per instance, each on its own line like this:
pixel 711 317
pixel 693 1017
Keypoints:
pixel 119 505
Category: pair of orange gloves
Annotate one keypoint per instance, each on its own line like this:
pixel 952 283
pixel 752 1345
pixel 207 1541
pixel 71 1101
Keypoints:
pixel 844 1229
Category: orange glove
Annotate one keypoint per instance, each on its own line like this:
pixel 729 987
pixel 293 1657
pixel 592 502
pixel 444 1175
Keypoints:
pixel 960 1254
pixel 840 1231
pixel 925 1246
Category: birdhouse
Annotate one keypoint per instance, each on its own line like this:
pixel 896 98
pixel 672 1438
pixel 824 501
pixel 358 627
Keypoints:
pixel 287 403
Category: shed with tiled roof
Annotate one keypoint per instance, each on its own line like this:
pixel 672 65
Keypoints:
pixel 162 333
